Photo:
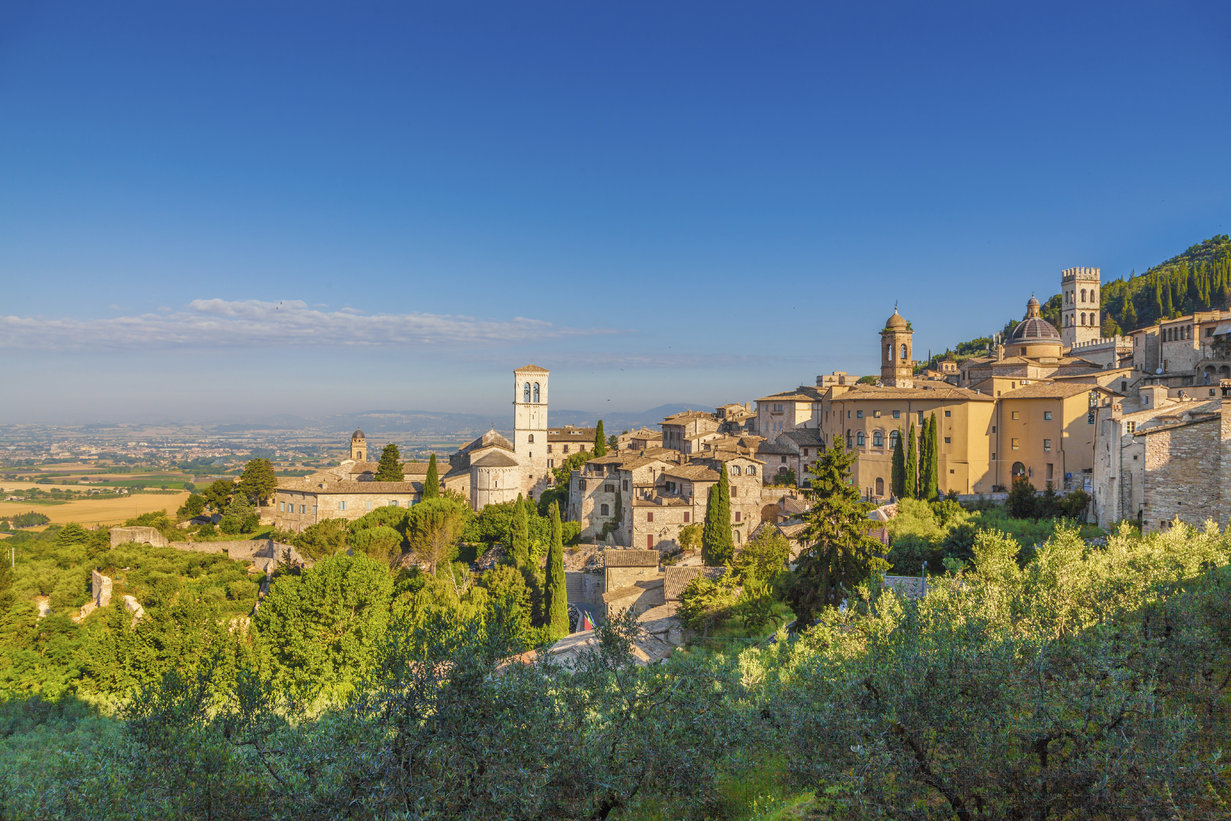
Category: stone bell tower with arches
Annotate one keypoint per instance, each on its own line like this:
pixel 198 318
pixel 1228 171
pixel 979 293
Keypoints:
pixel 530 425
pixel 1080 315
pixel 897 352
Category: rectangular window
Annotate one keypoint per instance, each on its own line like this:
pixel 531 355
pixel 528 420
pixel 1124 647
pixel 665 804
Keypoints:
pixel 1050 471
pixel 1130 426
pixel 737 515
pixel 876 414
pixel 805 451
pixel 947 440
pixel 566 448
pixel 649 517
pixel 549 448
pixel 551 464
pixel 1047 446
pixel 1013 414
pixel 282 506
pixel 1046 416
pixel 581 484
pixel 625 485
pixel 1014 444
pixel 948 413
pixel 897 414
pixel 993 428
pixel 858 414
pixel 609 488
pixel 686 516
pixel 341 505
pixel 303 508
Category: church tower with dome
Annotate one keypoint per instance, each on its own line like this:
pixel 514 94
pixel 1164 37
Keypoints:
pixel 358 447
pixel 897 352
pixel 1034 336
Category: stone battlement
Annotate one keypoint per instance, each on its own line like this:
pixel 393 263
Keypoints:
pixel 1075 274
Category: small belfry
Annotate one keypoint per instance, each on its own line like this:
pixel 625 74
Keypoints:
pixel 897 350
pixel 358 447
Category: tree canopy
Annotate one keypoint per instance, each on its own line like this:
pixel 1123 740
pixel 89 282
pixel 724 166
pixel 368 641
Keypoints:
pixel 431 482
pixel 389 469
pixel 258 481
pixel 717 547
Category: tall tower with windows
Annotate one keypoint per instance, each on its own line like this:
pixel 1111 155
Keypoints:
pixel 358 446
pixel 530 425
pixel 897 350
pixel 1080 317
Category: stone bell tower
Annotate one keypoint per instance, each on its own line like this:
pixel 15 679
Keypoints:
pixel 530 425
pixel 358 447
pixel 1080 315
pixel 897 351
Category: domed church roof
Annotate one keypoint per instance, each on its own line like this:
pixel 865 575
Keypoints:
pixel 1034 327
pixel 357 435
pixel 895 321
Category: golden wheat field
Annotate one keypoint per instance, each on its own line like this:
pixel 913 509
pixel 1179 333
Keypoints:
pixel 99 511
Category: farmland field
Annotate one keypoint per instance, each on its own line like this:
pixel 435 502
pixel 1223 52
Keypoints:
pixel 99 511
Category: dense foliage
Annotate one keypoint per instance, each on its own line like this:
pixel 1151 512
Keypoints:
pixel 717 546
pixel 1088 682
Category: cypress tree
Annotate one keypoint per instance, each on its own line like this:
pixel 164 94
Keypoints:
pixel 911 486
pixel 928 460
pixel 934 488
pixel 841 554
pixel 717 548
pixel 390 467
pixel 556 592
pixel 600 440
pixel 431 482
pixel 1129 318
pixel 519 538
pixel 898 481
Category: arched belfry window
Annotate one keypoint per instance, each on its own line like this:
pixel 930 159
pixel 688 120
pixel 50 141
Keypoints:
pixel 905 356
pixel 525 392
pixel 530 440
pixel 536 391
pixel 889 352
pixel 1083 294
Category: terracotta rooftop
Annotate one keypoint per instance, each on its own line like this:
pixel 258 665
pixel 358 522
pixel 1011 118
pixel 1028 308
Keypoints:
pixel 870 393
pixel 1052 390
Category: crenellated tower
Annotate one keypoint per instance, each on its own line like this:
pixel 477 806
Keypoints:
pixel 1080 315
pixel 897 351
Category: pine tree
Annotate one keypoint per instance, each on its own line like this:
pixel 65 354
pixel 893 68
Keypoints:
pixel 600 440
pixel 519 537
pixel 556 592
pixel 1129 318
pixel 717 548
pixel 911 488
pixel 390 467
pixel 431 482
pixel 841 554
pixel 898 481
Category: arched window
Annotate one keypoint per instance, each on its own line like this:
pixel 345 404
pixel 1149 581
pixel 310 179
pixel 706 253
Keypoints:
pixel 751 470
pixel 1018 469
pixel 861 439
pixel 531 439
pixel 905 356
pixel 735 470
pixel 525 392
pixel 604 510
pixel 1083 294
pixel 894 436
pixel 889 352
pixel 1083 319
pixel 880 486
pixel 536 391
pixel 878 439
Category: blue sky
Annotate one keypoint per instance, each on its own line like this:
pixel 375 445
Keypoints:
pixel 210 210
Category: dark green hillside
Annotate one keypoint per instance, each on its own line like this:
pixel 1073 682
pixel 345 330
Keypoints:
pixel 1197 280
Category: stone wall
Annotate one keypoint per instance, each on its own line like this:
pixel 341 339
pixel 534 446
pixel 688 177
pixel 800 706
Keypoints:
pixel 263 553
pixel 1183 475
pixel 140 535
pixel 100 589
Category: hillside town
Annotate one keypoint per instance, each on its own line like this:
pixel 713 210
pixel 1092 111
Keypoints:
pixel 1138 422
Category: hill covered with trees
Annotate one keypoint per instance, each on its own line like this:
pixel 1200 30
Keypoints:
pixel 1199 279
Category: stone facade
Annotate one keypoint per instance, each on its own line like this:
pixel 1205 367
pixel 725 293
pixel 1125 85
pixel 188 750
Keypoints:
pixel 687 431
pixel 140 535
pixel 1161 457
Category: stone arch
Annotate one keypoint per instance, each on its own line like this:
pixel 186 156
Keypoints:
pixel 536 392
pixel 525 392
pixel 880 487
pixel 1018 469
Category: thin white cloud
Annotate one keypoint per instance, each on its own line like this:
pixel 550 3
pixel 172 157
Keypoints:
pixel 214 323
